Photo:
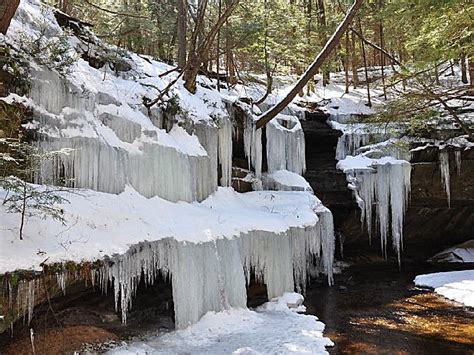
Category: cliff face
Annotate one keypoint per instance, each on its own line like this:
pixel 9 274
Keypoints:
pixel 430 225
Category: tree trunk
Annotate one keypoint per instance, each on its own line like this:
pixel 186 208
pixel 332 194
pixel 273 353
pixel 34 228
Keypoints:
pixel 199 53
pixel 362 44
pixel 218 46
pixel 323 29
pixel 382 56
pixel 182 28
pixel 7 11
pixel 313 68
pixel 346 62
pixel 471 71
pixel 354 65
pixel 463 70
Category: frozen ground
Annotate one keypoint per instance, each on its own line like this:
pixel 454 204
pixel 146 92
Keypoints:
pixel 454 285
pixel 274 328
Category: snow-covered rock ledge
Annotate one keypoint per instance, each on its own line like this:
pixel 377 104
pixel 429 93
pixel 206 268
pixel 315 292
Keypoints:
pixel 208 249
pixel 457 286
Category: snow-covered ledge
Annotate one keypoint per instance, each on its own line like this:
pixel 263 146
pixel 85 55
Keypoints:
pixel 208 248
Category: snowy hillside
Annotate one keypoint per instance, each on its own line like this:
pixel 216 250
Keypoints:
pixel 143 181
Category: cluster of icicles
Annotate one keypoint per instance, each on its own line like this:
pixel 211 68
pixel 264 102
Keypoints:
pixel 222 268
pixel 387 187
pixel 382 191
pixel 445 172
pixel 285 144
pixel 95 163
pixel 210 276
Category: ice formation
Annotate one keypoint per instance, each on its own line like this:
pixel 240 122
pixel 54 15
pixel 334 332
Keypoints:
pixel 458 161
pixel 385 184
pixel 117 146
pixel 211 276
pixel 225 151
pixel 118 150
pixel 253 144
pixel 349 142
pixel 285 145
pixel 445 175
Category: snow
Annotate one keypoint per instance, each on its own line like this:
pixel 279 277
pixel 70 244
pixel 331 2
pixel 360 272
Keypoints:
pixel 284 180
pixel 462 253
pixel 277 235
pixel 454 285
pixel 273 328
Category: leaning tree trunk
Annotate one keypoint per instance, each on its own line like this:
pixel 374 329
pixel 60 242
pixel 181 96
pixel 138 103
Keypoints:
pixel 7 11
pixel 313 68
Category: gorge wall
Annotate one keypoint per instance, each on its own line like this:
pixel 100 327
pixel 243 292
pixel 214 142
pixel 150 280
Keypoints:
pixel 430 225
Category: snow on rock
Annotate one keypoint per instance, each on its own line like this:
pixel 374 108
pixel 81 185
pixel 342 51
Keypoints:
pixel 454 285
pixel 277 235
pixel 101 115
pixel 462 253
pixel 285 145
pixel 273 328
pixel 284 180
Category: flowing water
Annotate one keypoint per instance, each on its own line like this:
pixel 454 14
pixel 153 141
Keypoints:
pixel 374 308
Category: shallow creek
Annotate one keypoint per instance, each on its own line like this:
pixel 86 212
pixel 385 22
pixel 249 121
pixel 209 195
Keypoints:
pixel 375 308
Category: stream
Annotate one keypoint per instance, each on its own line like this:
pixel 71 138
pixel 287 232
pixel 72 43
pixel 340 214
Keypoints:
pixel 375 308
pixel 372 308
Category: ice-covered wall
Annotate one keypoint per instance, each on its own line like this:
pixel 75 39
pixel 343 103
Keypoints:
pixel 211 276
pixel 285 145
pixel 115 145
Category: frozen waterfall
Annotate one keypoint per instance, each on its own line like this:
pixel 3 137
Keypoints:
pixel 445 175
pixel 285 145
pixel 211 276
pixel 384 186
pixel 115 145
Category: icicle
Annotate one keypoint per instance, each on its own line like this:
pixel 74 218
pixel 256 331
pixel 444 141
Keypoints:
pixel 103 157
pixel 253 144
pixel 212 276
pixel 349 142
pixel 285 145
pixel 458 160
pixel 445 175
pixel 225 151
pixel 388 187
pixel 61 278
pixel 208 137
